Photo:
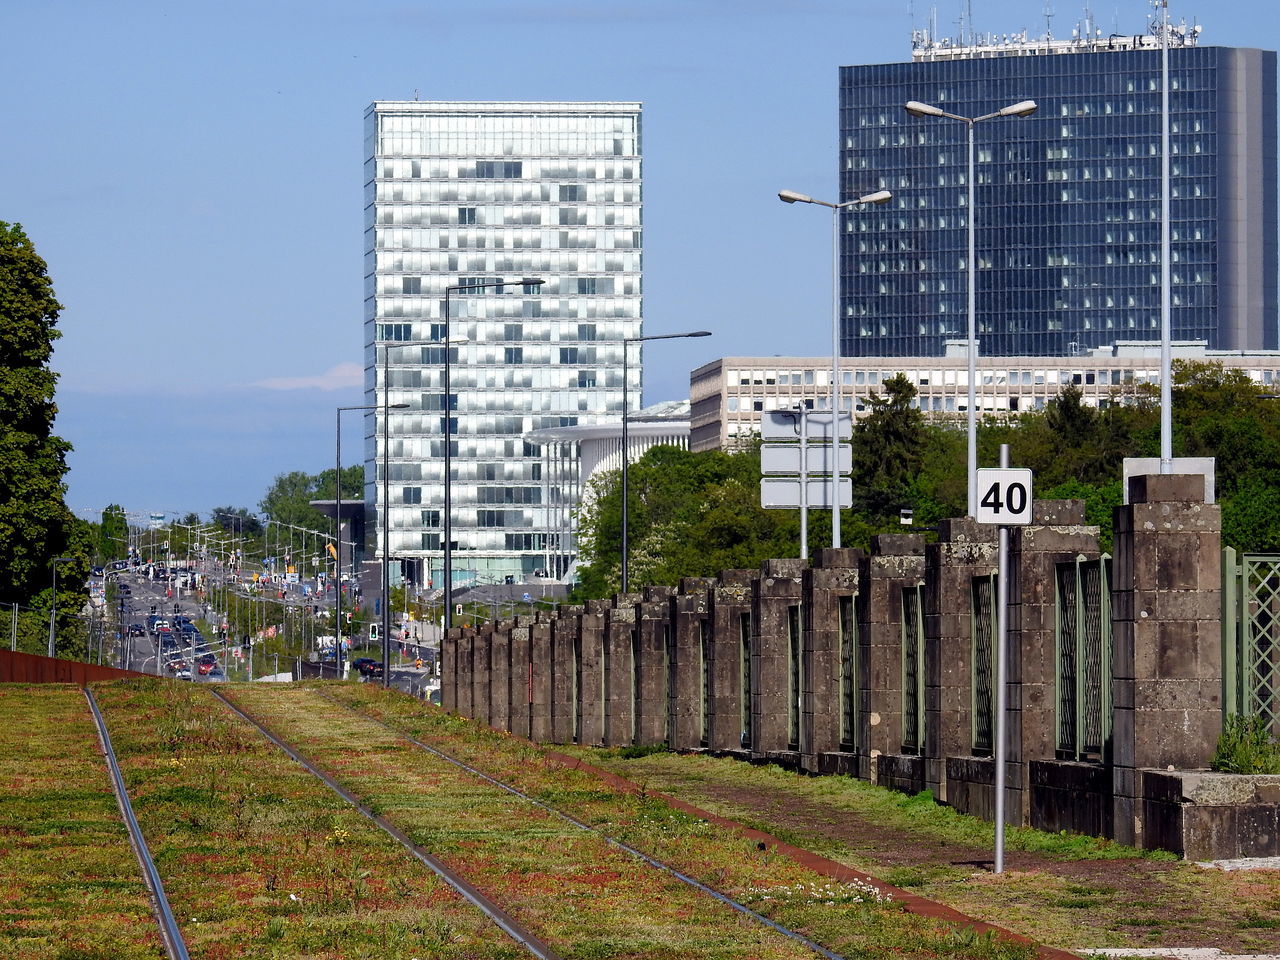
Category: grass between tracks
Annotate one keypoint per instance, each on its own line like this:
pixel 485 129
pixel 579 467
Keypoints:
pixel 581 896
pixel 70 886
pixel 260 859
pixel 843 917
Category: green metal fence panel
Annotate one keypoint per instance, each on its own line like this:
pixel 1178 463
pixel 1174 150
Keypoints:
pixel 983 631
pixel 1251 635
pixel 1083 640
pixel 913 669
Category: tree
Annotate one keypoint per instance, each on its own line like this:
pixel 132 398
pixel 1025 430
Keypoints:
pixel 35 524
pixel 290 496
pixel 237 520
pixel 888 445
pixel 113 534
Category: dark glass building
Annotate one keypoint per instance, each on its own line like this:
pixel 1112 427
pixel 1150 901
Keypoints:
pixel 1068 200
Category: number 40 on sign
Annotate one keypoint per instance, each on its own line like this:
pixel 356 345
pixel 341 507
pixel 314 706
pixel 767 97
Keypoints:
pixel 1004 496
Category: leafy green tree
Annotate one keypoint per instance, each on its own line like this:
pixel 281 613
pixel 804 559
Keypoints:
pixel 113 534
pixel 290 496
pixel 237 520
pixel 888 447
pixel 35 524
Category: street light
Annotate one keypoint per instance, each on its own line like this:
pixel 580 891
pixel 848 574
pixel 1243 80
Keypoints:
pixel 448 453
pixel 337 530
pixel 878 196
pixel 53 608
pixel 1023 108
pixel 626 454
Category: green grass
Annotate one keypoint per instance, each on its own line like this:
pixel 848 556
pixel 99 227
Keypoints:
pixel 70 884
pixel 261 859
pixel 850 922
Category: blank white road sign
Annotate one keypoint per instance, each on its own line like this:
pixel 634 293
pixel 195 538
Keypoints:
pixel 783 493
pixel 785 425
pixel 784 458
pixel 1004 496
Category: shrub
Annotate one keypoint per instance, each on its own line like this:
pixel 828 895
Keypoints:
pixel 1246 746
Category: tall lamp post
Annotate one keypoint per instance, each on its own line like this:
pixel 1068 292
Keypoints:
pixel 626 409
pixel 879 196
pixel 1023 108
pixel 449 291
pixel 337 529
pixel 53 608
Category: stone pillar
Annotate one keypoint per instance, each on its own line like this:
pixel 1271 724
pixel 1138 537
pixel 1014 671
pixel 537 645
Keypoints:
pixel 1057 534
pixel 619 667
pixel 654 667
pixel 965 549
pixel 1166 649
pixel 591 674
pixel 896 561
pixel 691 623
pixel 449 672
pixel 465 683
pixel 564 673
pixel 480 673
pixel 731 659
pixel 541 666
pixel 776 642
pixel 520 682
pixel 830 595
pixel 500 675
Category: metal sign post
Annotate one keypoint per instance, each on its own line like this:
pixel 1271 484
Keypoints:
pixel 1003 498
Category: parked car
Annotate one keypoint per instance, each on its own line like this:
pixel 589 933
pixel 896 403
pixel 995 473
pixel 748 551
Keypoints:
pixel 371 670
pixel 361 663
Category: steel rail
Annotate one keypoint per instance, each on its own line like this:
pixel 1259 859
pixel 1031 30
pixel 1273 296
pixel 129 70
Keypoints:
pixel 508 924
pixel 613 841
pixel 174 944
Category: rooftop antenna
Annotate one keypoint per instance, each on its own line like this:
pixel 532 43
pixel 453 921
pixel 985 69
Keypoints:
pixel 968 20
pixel 1048 20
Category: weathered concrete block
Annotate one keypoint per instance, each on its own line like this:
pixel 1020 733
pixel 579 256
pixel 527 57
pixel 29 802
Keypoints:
pixel 619 671
pixel 829 668
pixel 654 643
pixel 731 630
pixel 776 645
pixel 690 707
pixel 520 678
pixel 541 666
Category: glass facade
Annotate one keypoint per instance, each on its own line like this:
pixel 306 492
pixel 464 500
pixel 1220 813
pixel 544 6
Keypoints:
pixel 464 193
pixel 1068 201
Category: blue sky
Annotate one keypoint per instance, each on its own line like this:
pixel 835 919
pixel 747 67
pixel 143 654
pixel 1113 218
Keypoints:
pixel 192 174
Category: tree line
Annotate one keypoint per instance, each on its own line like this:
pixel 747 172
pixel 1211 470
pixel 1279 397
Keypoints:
pixel 695 514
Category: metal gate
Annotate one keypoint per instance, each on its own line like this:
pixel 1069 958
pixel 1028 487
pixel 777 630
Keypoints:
pixel 983 632
pixel 1251 635
pixel 913 677
pixel 1083 637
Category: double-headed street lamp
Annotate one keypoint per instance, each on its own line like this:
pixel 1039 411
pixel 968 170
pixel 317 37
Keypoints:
pixel 879 196
pixel 337 525
pixel 626 453
pixel 1023 108
pixel 526 283
pixel 53 608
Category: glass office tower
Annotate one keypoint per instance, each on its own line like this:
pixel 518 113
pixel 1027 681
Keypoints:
pixel 474 192
pixel 1068 200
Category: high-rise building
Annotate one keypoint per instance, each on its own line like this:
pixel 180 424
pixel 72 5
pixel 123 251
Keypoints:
pixel 1068 200
pixel 464 193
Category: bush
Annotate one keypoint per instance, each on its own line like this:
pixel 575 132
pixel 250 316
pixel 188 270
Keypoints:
pixel 1246 746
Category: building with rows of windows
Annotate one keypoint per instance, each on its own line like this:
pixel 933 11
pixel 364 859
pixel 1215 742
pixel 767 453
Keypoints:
pixel 1068 199
pixel 476 192
pixel 728 396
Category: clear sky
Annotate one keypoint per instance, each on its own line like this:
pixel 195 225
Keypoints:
pixel 192 173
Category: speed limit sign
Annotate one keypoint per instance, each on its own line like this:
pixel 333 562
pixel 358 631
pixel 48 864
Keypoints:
pixel 1004 496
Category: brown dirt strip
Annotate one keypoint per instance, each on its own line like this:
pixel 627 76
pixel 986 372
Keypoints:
pixel 912 902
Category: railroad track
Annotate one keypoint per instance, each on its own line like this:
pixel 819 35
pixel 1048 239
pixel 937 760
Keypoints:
pixel 508 924
pixel 506 921
pixel 612 841
pixel 175 946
